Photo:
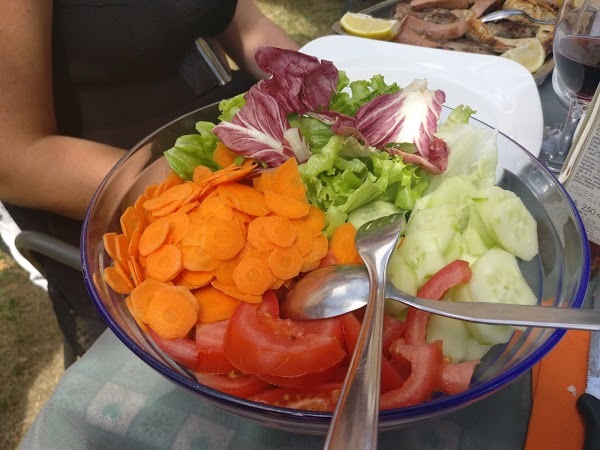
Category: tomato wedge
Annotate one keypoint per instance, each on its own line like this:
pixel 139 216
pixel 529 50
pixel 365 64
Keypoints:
pixel 233 383
pixel 319 398
pixel 182 350
pixel 425 374
pixel 390 377
pixel 258 342
pixel 211 353
pixel 457 272
pixel 456 377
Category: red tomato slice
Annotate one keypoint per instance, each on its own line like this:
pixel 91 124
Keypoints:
pixel 335 374
pixel 390 377
pixel 320 398
pixel 258 342
pixel 328 260
pixel 182 350
pixel 209 342
pixel 392 329
pixel 457 272
pixel 269 304
pixel 329 327
pixel 425 374
pixel 233 383
pixel 456 377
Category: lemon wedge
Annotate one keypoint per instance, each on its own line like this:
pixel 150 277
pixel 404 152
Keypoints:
pixel 367 26
pixel 530 55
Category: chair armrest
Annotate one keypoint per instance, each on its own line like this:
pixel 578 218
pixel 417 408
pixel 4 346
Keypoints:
pixel 30 242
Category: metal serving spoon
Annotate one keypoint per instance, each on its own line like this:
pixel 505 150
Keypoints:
pixel 338 289
pixel 504 13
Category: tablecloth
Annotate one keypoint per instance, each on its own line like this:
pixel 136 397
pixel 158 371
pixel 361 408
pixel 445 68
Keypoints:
pixel 111 399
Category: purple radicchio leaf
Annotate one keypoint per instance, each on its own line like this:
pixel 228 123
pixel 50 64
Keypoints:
pixel 260 130
pixel 299 82
pixel 437 161
pixel 407 117
pixel 341 124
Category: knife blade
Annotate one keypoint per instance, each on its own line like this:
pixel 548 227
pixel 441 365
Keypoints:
pixel 588 403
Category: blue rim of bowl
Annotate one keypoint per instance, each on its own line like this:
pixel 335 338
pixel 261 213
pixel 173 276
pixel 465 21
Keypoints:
pixel 431 408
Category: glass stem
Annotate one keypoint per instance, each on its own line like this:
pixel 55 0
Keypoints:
pixel 556 160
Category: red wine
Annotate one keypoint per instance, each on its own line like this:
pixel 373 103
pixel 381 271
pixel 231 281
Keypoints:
pixel 578 63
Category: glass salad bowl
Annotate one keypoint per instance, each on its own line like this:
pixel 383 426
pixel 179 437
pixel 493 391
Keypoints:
pixel 558 275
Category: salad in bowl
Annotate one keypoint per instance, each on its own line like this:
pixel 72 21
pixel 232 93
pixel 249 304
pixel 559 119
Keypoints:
pixel 189 269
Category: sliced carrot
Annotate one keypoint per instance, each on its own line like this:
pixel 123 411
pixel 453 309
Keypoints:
pixel 242 216
pixel 223 156
pixel 308 266
pixel 172 180
pixel 153 236
pixel 286 206
pixel 285 262
pixel 142 260
pixel 171 314
pixel 224 273
pixel 129 221
pixel 237 173
pixel 200 174
pixel 165 263
pixel 319 249
pixel 115 279
pixel 109 244
pixel 280 231
pixel 342 244
pixel 277 283
pixel 233 291
pixel 150 190
pixel 178 223
pixel 243 198
pixel 137 273
pixel 135 238
pixel 141 324
pixel 256 235
pixel 193 279
pixel 305 237
pixel 213 206
pixel 195 258
pixel 222 238
pixel 315 220
pixel 252 275
pixel 287 181
pixel 122 247
pixel 189 206
pixel 167 209
pixel 141 297
pixel 178 192
pixel 215 305
pixel 133 273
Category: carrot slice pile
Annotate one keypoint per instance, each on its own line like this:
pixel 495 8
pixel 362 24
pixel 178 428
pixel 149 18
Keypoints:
pixel 199 248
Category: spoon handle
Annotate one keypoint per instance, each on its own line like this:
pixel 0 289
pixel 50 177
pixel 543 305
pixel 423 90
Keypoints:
pixel 505 314
pixel 355 421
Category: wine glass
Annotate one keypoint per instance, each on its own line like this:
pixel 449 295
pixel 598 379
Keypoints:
pixel 577 65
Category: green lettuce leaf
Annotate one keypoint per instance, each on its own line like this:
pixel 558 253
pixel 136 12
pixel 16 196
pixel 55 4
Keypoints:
pixel 192 150
pixel 347 101
pixel 230 106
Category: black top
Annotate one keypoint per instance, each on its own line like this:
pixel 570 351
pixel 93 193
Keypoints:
pixel 116 80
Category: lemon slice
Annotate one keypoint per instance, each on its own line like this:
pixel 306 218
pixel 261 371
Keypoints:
pixel 531 55
pixel 367 26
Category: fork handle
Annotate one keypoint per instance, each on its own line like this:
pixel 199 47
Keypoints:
pixel 355 421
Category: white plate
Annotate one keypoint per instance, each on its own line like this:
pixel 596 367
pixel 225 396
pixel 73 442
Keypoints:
pixel 502 92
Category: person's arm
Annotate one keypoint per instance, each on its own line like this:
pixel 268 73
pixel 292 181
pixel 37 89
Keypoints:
pixel 37 168
pixel 251 29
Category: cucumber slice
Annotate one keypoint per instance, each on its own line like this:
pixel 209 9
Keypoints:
pixel 454 250
pixel 401 275
pixel 515 228
pixel 439 222
pixel 477 222
pixel 473 242
pixel 486 334
pixel 475 350
pixel 456 192
pixel 453 334
pixel 485 200
pixel 422 255
pixel 497 278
